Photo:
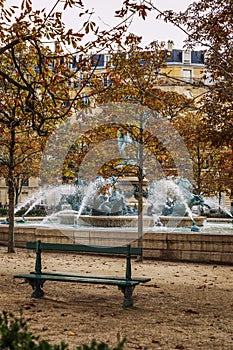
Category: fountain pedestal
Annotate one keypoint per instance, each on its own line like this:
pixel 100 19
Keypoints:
pixel 132 221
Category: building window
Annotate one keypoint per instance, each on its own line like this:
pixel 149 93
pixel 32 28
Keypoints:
pixel 186 57
pixel 187 75
pixel 209 80
pixel 70 82
pixel 83 79
pixel 97 61
pixel 197 57
pixel 85 99
pixel 106 80
pixel 74 62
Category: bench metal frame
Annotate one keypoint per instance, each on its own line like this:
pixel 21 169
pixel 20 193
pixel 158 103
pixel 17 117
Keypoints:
pixel 125 284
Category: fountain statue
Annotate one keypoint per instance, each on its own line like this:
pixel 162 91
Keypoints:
pixel 178 199
pixel 103 198
pixel 172 198
pixel 98 201
pixel 123 140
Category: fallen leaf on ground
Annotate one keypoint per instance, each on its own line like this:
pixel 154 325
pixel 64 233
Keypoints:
pixel 192 311
pixel 70 334
pixel 152 285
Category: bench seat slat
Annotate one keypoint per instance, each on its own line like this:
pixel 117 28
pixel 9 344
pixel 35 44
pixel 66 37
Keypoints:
pixel 83 279
pixel 57 273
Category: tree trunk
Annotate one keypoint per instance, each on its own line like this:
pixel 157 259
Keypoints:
pixel 140 190
pixel 219 201
pixel 17 188
pixel 11 194
pixel 198 170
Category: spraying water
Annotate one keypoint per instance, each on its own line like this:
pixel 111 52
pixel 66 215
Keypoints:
pixel 166 197
pixel 37 201
pixel 51 194
pixel 213 202
pixel 90 192
pixel 28 200
pixel 52 219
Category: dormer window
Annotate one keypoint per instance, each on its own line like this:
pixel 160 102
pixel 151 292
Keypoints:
pixel 186 56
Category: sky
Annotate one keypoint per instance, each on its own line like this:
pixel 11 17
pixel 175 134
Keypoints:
pixel 151 29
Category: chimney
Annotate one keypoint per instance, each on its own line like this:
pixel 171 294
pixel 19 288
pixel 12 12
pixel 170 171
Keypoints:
pixel 170 45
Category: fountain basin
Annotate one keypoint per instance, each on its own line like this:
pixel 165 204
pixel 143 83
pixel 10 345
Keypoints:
pixel 66 218
pixel 132 221
pixel 181 221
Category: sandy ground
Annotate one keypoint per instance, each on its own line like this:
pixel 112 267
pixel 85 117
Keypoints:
pixel 185 306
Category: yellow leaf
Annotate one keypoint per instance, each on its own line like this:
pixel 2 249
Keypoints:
pixel 70 334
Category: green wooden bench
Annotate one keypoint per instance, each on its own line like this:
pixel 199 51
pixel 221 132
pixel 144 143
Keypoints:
pixel 126 283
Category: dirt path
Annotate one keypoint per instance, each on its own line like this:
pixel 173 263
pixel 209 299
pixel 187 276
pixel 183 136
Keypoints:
pixel 185 306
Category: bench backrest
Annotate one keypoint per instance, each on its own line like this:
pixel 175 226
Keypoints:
pixel 126 250
pixel 123 250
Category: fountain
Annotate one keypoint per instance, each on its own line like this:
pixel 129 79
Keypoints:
pixel 105 203
pixel 104 211
pixel 112 202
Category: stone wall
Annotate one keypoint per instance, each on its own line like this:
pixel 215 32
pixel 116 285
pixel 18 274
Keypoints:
pixel 192 247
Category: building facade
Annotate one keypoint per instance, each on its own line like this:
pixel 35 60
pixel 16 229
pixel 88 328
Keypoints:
pixel 31 186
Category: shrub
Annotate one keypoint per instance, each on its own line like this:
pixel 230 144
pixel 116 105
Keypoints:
pixel 3 212
pixel 14 335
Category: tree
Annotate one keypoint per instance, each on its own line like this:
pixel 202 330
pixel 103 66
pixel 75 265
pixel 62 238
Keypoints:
pixel 209 25
pixel 23 110
pixel 208 161
pixel 34 81
pixel 27 153
pixel 133 76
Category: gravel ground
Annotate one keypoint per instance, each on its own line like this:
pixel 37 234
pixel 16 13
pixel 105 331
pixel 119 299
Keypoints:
pixel 184 306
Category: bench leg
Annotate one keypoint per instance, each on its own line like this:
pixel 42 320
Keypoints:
pixel 128 292
pixel 36 286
